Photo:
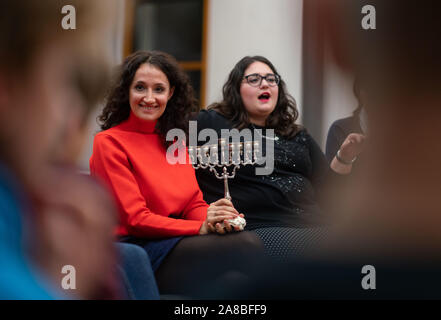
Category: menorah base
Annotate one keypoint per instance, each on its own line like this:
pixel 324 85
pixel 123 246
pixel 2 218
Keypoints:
pixel 236 222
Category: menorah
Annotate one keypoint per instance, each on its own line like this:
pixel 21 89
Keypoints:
pixel 232 156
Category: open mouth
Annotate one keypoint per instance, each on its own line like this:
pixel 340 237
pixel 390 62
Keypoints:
pixel 264 96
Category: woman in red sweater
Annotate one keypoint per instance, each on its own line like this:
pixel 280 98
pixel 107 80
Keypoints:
pixel 161 206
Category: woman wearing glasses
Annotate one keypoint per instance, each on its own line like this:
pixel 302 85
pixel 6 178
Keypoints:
pixel 255 97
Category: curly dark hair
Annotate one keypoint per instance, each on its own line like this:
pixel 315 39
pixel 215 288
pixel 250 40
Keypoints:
pixel 282 119
pixel 179 107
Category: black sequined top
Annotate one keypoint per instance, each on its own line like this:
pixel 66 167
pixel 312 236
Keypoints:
pixel 289 196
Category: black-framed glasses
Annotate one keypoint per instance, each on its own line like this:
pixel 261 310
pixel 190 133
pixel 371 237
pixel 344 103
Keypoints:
pixel 255 79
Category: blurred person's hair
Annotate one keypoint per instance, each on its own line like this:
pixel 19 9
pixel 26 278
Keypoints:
pixel 404 48
pixel 179 107
pixel 282 119
pixel 28 27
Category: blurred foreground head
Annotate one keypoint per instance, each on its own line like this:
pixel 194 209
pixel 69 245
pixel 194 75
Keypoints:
pixel 396 199
pixel 49 77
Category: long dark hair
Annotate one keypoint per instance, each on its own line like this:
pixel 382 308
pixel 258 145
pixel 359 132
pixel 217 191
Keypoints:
pixel 179 107
pixel 282 119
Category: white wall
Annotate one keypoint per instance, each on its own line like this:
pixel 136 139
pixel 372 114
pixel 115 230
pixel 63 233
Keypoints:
pixel 338 98
pixel 237 28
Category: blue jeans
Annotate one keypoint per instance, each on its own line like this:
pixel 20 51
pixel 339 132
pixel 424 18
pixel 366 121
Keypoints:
pixel 136 272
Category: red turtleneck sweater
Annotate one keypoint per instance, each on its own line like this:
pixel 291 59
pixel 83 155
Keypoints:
pixel 155 199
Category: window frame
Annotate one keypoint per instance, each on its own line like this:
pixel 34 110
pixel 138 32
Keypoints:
pixel 201 66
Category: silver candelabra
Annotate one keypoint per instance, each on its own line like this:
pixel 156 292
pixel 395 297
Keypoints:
pixel 232 155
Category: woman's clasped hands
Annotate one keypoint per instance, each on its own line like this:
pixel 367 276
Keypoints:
pixel 218 215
